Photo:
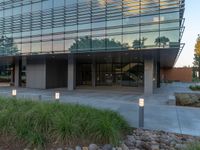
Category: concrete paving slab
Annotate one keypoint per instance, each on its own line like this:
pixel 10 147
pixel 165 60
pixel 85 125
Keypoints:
pixel 189 120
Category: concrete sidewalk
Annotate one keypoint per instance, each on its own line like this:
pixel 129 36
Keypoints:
pixel 158 116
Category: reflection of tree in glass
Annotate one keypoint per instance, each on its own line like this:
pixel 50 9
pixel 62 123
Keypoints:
pixel 139 43
pixel 161 41
pixel 85 43
pixel 7 46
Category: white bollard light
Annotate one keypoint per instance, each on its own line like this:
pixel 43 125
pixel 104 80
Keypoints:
pixel 141 113
pixel 57 96
pixel 14 93
pixel 141 102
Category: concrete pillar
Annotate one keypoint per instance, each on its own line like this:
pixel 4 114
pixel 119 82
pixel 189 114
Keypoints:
pixel 12 76
pixel 36 73
pixel 93 73
pixel 71 72
pixel 148 76
pixel 155 76
pixel 158 74
pixel 17 70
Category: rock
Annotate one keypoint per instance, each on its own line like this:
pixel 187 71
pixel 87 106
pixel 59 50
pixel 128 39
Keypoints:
pixel 124 147
pixel 155 147
pixel 78 148
pixel 93 147
pixel 85 148
pixel 118 148
pixel 146 145
pixel 173 143
pixel 131 138
pixel 130 141
pixel 180 146
pixel 107 147
pixel 186 99
pixel 138 143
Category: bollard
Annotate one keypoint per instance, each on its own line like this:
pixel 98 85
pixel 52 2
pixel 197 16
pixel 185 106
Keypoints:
pixel 57 96
pixel 141 113
pixel 40 97
pixel 14 93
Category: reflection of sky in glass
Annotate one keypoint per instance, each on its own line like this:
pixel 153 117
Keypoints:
pixel 116 9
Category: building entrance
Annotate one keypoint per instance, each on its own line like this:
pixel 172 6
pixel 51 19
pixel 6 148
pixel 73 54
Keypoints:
pixel 84 74
pixel 111 74
pixel 116 74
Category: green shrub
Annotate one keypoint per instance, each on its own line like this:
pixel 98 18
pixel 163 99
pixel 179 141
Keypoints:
pixel 39 123
pixel 195 87
pixel 193 146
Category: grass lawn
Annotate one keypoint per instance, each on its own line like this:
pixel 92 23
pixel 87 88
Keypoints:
pixel 42 123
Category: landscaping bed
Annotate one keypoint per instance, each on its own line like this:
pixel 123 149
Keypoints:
pixel 159 140
pixel 188 99
pixel 138 139
pixel 195 87
pixel 25 123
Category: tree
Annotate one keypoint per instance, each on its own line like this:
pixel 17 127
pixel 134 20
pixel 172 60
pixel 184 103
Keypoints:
pixel 196 62
pixel 7 46
pixel 161 41
pixel 84 43
pixel 139 43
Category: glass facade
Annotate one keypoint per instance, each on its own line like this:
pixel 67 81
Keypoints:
pixel 50 26
pixel 118 70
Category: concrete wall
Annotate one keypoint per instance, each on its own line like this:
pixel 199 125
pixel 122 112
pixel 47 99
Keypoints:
pixel 71 72
pixel 148 76
pixel 36 73
pixel 46 72
pixel 177 74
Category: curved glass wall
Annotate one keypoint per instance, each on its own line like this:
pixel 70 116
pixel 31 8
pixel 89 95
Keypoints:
pixel 45 26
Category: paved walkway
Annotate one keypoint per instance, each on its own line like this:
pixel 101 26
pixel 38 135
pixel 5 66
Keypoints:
pixel 158 115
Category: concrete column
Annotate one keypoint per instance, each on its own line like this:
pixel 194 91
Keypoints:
pixel 155 76
pixel 17 70
pixel 71 72
pixel 158 74
pixel 36 73
pixel 148 76
pixel 93 73
pixel 12 77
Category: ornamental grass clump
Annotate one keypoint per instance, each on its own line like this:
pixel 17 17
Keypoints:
pixel 193 146
pixel 194 87
pixel 40 123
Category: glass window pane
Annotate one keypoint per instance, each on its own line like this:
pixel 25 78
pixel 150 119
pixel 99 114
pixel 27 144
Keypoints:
pixel 131 41
pixel 114 42
pixel 36 47
pixel 47 46
pixel 148 40
pixel 170 38
pixel 26 48
pixel 98 43
pixel 84 43
pixel 70 45
pixel 58 45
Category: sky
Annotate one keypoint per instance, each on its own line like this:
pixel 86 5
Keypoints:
pixel 192 29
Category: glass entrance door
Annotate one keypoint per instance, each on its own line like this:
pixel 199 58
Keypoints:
pixel 84 74
pixel 117 74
